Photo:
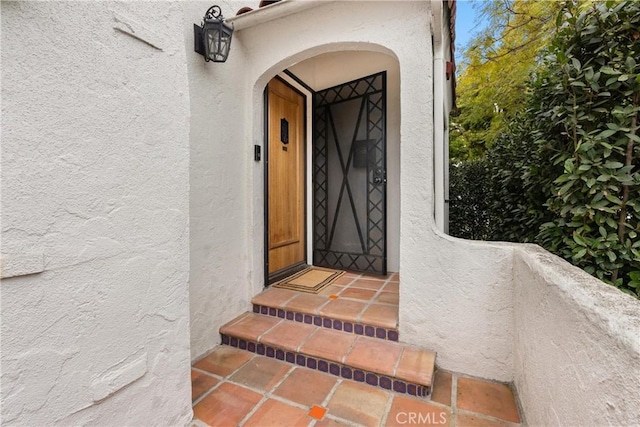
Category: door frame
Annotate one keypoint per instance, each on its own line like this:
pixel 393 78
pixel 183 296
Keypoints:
pixel 278 275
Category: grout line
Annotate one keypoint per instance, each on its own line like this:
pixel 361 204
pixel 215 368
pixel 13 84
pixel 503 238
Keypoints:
pixel 395 369
pixel 333 390
pixel 207 393
pixel 304 341
pixel 387 408
pixel 343 360
pixel 454 399
pixel 209 374
pixel 253 410
pixel 259 337
pixel 321 306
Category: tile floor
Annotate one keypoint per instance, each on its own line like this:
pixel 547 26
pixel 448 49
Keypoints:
pixel 352 297
pixel 233 387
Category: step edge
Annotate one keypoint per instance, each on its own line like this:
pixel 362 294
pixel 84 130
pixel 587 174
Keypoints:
pixel 389 333
pixel 395 384
pixel 341 360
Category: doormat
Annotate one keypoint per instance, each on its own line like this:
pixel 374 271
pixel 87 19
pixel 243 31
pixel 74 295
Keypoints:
pixel 312 280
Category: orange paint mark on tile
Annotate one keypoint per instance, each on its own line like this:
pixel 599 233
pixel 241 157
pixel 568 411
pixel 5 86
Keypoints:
pixel 317 412
pixel 333 296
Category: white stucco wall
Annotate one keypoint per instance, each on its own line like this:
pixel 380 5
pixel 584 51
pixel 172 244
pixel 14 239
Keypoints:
pixel 577 345
pixel 456 296
pixel 221 155
pixel 95 211
pixel 332 27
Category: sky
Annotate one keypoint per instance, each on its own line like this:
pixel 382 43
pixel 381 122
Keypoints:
pixel 467 23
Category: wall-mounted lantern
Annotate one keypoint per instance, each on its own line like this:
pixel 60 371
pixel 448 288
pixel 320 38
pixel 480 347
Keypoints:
pixel 213 38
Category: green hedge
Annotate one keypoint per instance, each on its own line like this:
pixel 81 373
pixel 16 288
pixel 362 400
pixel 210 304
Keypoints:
pixel 566 175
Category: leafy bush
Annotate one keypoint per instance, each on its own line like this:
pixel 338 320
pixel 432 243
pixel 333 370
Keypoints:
pixel 589 98
pixel 468 200
pixel 566 174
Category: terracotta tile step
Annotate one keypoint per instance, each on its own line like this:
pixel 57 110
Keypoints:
pixel 386 364
pixel 341 314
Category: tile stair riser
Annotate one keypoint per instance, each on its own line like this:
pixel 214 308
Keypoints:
pixel 329 323
pixel 338 369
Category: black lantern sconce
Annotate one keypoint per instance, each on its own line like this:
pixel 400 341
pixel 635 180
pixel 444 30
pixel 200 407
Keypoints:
pixel 213 38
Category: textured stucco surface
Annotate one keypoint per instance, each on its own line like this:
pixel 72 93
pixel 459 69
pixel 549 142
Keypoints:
pixel 331 27
pixel 456 296
pixel 95 173
pixel 577 345
pixel 221 153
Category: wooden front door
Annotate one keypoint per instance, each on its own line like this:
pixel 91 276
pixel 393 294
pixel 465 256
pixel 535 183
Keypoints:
pixel 285 159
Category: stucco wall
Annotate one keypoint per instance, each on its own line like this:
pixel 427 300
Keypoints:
pixel 456 296
pixel 577 345
pixel 331 27
pixel 221 154
pixel 95 173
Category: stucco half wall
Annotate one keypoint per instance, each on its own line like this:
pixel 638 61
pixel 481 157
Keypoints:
pixel 576 345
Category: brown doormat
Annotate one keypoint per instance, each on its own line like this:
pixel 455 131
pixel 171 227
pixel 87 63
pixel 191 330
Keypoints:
pixel 312 280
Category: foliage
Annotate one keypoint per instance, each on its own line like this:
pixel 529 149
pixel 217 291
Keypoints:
pixel 492 84
pixel 589 100
pixel 519 179
pixel 566 172
pixel 468 200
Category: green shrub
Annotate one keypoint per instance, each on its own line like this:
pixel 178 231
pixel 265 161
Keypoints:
pixel 468 200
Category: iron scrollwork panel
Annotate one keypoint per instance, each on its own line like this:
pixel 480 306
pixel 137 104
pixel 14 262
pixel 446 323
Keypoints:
pixel 349 175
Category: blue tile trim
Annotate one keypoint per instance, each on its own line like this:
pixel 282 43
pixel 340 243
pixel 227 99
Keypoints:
pixel 329 323
pixel 312 363
pixel 346 373
pixel 300 360
pixel 372 379
pixel 385 383
pixel 333 368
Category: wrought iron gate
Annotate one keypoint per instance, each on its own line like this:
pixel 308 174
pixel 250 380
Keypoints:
pixel 349 176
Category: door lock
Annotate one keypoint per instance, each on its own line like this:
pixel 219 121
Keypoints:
pixel 379 176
